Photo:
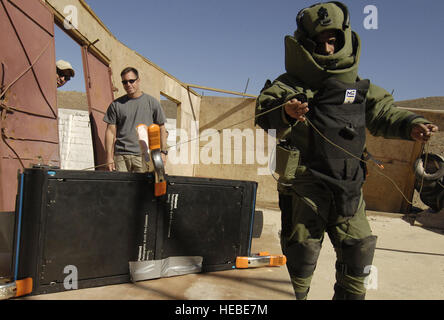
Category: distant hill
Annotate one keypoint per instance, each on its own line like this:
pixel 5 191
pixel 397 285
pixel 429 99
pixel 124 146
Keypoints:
pixel 72 100
pixel 431 103
pixel 79 101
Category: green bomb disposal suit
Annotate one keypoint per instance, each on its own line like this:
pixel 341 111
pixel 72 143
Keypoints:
pixel 320 185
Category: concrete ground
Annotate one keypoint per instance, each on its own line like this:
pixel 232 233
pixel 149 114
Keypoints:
pixel 409 261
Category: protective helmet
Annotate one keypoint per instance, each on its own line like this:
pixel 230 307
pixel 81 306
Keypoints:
pixel 322 17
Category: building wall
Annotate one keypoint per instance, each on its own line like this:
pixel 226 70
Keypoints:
pixel 232 114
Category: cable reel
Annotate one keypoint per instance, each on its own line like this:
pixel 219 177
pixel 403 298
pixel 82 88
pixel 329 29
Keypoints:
pixel 429 173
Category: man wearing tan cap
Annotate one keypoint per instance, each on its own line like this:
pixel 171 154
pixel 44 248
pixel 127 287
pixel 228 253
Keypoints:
pixel 64 72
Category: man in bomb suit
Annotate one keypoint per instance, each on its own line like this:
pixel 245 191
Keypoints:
pixel 320 157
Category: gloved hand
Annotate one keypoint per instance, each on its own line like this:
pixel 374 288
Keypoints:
pixel 423 132
pixel 296 109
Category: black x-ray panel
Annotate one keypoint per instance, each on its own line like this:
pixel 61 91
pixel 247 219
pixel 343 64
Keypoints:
pixel 99 221
pixel 210 218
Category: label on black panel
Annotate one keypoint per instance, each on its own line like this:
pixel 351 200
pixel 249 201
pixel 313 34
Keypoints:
pixel 172 200
pixel 143 252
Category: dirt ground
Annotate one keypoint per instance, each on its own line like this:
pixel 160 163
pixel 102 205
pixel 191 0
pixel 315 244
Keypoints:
pixel 409 261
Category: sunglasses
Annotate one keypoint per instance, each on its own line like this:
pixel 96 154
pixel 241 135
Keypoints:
pixel 130 81
pixel 66 76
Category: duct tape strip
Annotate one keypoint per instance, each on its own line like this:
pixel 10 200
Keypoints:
pixel 169 267
pixel 7 290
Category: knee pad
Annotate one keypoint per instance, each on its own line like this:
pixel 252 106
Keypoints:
pixel 302 258
pixel 355 256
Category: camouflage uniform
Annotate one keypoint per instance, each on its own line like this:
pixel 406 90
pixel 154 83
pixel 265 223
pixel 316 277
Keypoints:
pixel 320 186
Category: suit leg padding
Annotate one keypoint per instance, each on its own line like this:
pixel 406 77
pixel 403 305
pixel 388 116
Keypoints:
pixel 302 258
pixel 355 256
pixel 342 294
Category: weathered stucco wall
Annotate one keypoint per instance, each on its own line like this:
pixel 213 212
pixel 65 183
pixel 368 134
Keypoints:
pixel 242 148
pixel 398 158
pixel 154 80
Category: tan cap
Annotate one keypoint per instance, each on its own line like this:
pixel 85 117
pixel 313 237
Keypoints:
pixel 65 65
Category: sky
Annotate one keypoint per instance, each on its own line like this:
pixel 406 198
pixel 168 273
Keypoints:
pixel 238 44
